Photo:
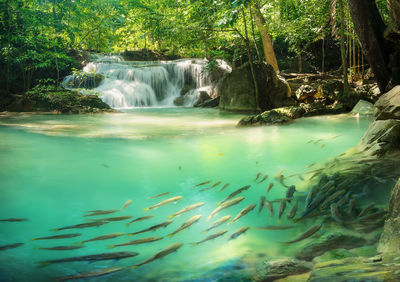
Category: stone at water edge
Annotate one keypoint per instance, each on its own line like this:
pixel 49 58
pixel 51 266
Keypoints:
pixel 388 105
pixel 279 267
pixel 363 108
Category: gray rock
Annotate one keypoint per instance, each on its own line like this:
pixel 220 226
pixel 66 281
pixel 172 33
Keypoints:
pixel 211 103
pixel 363 108
pixel 276 116
pixel 202 97
pixel 276 268
pixel 333 254
pixel 388 105
pixel 305 92
pixel 330 241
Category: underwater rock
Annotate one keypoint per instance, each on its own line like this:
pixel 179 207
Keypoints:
pixel 269 117
pixel 334 254
pixel 330 241
pixel 363 108
pixel 390 239
pixel 275 268
pixel 388 105
pixel 237 92
pixel 379 268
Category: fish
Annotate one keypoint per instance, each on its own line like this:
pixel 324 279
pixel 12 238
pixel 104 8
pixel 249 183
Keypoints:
pixel 280 200
pixel 261 204
pixel 91 258
pixel 366 210
pixel 105 165
pixel 226 205
pixel 203 183
pixel 310 165
pixel 139 219
pixel 292 213
pixel 159 195
pixel 189 208
pixel 282 208
pixel 290 192
pixel 220 154
pixel 311 194
pixel 257 176
pixel 233 194
pixel 211 187
pixel 314 229
pixel 216 184
pixel 218 222
pixel 100 212
pixel 186 224
pixel 14 219
pixel 263 179
pixel 167 201
pixel 269 207
pixel 61 248
pixel 82 225
pixel 64 236
pixel 152 228
pixel 336 215
pixel 344 199
pixel 11 246
pixel 243 212
pixel 164 252
pixel 352 206
pixel 225 186
pixel 137 242
pixel 270 187
pixel 238 232
pixel 211 237
pixel 127 203
pixel 90 274
pixel 272 227
pixel 331 198
pixel 103 237
pixel 278 174
pixel 118 218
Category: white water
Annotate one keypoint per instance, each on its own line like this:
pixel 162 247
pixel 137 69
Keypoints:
pixel 147 84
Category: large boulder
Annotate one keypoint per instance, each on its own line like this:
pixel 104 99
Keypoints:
pixel 363 108
pixel 390 238
pixel 272 269
pixel 388 105
pixel 237 93
pixel 275 116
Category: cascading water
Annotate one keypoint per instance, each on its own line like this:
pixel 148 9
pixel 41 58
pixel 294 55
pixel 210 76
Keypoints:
pixel 128 84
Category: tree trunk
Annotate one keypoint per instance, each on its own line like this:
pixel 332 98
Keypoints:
pixel 323 55
pixel 370 29
pixel 342 46
pixel 265 38
pixel 394 13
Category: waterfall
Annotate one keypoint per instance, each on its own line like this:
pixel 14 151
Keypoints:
pixel 126 84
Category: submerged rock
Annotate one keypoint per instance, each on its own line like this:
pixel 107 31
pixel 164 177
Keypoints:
pixel 276 116
pixel 330 241
pixel 363 108
pixel 390 238
pixel 237 93
pixel 276 268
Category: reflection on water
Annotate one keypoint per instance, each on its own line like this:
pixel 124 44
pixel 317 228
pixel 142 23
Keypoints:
pixel 54 168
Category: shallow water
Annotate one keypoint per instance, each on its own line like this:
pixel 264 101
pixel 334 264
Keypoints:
pixel 54 168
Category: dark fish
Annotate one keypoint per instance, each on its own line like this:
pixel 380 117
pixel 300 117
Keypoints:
pixel 103 237
pixel 366 210
pixel 62 248
pixel 218 222
pixel 269 207
pixel 90 274
pixel 238 232
pixel 262 180
pixel 261 204
pixel 310 165
pixel 280 200
pixel 271 227
pixel 159 195
pixel 168 250
pixel 211 237
pixel 137 242
pixel 153 228
pixel 14 219
pixel 223 187
pixel 270 187
pixel 352 206
pixel 232 202
pixel 343 200
pixel 109 219
pixel 282 208
pixel 100 212
pixel 203 183
pixel 314 229
pixel 233 194
pixel 139 219
pixel 290 192
pixel 292 213
pixel 282 181
pixel 243 212
pixel 64 236
pixel 92 258
pixel 82 225
pixel 216 184
pixel 311 194
pixel 211 187
pixel 257 176
pixel 11 246
pixel 186 224
pixel 332 197
pixel 335 214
